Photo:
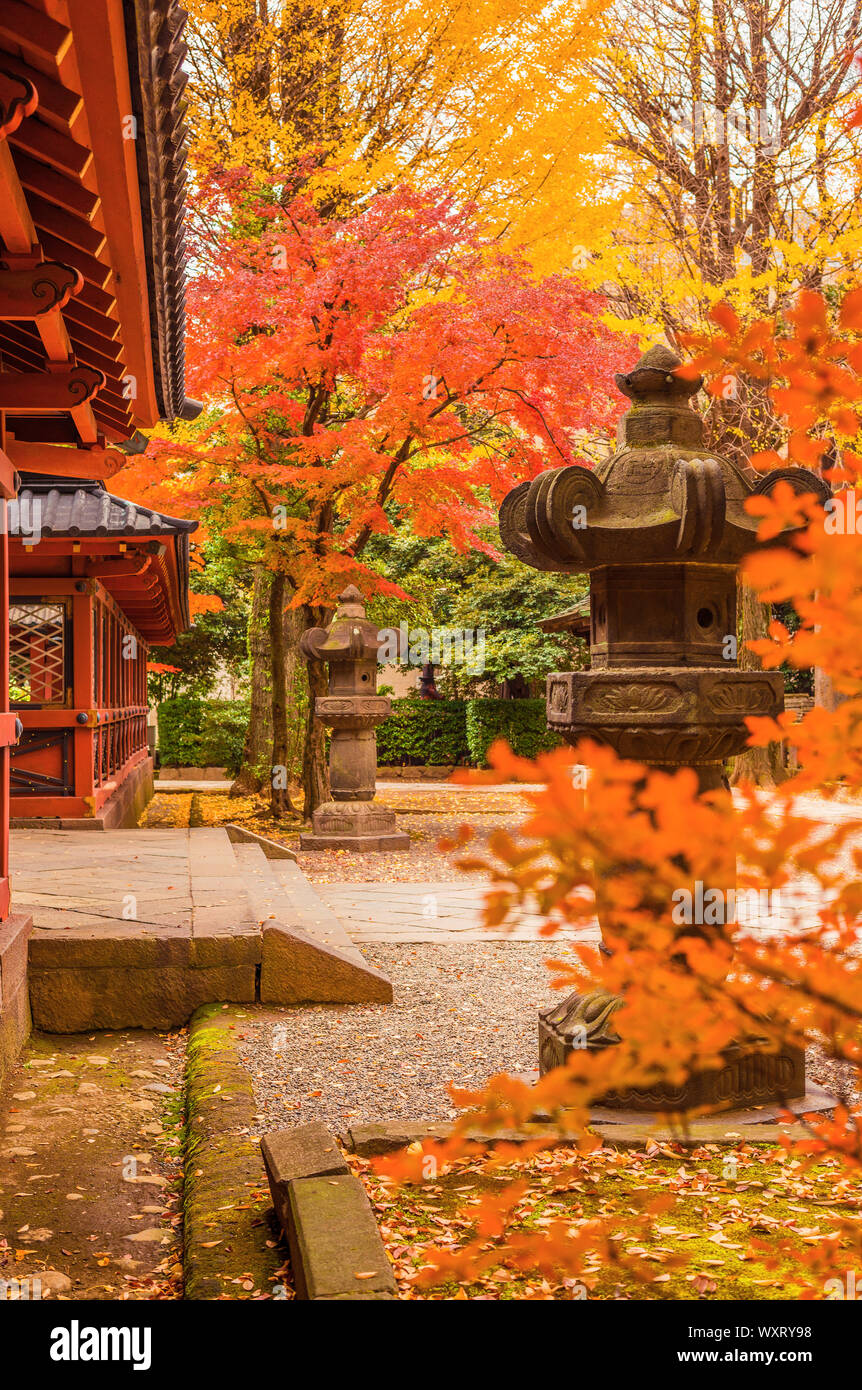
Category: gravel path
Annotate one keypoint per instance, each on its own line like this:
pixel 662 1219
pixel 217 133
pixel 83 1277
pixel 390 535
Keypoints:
pixel 461 1013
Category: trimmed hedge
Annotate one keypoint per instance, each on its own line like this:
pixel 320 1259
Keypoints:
pixel 419 733
pixel 423 733
pixel 202 733
pixel 438 733
pixel 522 723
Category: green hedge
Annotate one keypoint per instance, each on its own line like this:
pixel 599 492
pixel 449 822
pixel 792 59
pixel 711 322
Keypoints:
pixel 442 733
pixel 419 733
pixel 423 733
pixel 522 723
pixel 202 733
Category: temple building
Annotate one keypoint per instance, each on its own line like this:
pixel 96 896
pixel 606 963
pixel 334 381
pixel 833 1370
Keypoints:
pixel 92 154
pixel 94 581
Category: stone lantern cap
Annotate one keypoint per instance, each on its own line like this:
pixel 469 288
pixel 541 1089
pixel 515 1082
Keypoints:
pixel 349 637
pixel 661 498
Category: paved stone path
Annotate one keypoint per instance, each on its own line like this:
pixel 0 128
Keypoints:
pixel 443 911
pixel 132 883
pixel 190 784
pixel 430 911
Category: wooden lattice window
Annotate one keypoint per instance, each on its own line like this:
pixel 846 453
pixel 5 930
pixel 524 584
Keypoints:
pixel 37 652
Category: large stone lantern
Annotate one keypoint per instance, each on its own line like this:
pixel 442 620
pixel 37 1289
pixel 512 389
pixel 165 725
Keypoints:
pixel 352 709
pixel 660 528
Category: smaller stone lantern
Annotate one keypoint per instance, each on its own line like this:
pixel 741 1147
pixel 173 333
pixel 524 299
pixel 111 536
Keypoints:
pixel 352 709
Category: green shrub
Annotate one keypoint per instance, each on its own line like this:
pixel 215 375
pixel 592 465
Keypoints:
pixel 202 733
pixel 522 723
pixel 223 734
pixel 180 731
pixel 442 733
pixel 423 733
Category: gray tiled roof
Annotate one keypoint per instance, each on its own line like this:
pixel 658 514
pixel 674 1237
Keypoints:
pixel 72 507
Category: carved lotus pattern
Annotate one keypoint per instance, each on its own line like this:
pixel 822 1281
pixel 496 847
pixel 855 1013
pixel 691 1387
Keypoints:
pixel 647 698
pixel 742 697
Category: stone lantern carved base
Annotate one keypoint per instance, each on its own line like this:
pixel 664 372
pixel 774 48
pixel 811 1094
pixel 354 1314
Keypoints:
pixel 356 825
pixel 753 1073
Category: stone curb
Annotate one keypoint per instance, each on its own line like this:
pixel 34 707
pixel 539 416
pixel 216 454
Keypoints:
pixel 336 1250
pixel 239 834
pixel 373 1140
pixel 225 1221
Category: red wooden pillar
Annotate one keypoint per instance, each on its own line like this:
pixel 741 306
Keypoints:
pixel 7 720
pixel 82 692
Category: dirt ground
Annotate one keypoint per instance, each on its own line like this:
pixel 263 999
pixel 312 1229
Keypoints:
pixel 89 1166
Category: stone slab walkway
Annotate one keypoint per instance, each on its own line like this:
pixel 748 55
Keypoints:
pixel 132 882
pixel 428 911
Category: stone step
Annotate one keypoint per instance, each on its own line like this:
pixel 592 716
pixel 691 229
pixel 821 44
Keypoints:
pixel 192 938
pixel 307 955
pixel 156 923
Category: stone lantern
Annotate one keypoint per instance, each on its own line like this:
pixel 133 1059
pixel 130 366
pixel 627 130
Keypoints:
pixel 660 528
pixel 352 709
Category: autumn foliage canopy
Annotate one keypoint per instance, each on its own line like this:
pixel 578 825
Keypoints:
pixel 358 370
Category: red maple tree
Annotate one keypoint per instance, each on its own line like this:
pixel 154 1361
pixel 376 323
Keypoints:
pixel 388 365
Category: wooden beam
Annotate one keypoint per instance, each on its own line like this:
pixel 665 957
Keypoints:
pixel 22 354
pixel 18 98
pixel 61 152
pixel 7 475
pixel 85 422
pixel 32 291
pixel 64 226
pixel 94 358
pixel 16 225
pixel 116 569
pixel 58 105
pixel 103 64
pixel 62 389
pixel 65 192
pixel 99 299
pixel 85 341
pixel 92 322
pixel 33 32
pixel 95 464
pixel 94 272
pixel 103 301
pixel 121 421
pixel 55 338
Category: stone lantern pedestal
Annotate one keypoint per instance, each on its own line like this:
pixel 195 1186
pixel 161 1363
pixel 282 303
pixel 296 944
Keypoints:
pixel 352 709
pixel 660 528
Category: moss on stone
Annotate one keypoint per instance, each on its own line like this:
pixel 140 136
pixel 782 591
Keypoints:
pixel 225 1196
pixel 723 1274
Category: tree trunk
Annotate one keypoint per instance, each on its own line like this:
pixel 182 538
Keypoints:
pixel 257 750
pixel 315 772
pixel 280 801
pixel 762 766
pixel 297 692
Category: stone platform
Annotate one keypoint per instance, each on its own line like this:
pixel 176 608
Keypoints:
pixel 14 1003
pixel 138 928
